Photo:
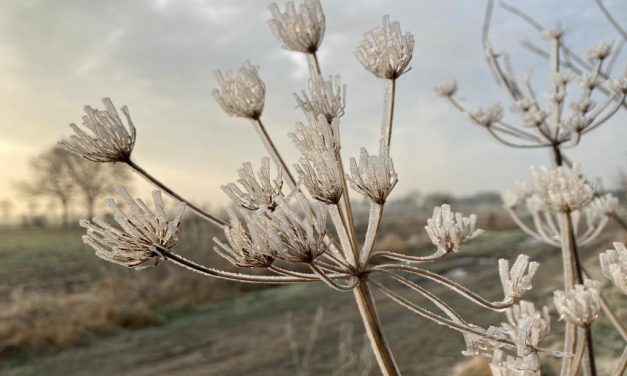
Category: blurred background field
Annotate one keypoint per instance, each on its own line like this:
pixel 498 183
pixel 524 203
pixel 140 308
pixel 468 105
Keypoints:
pixel 63 311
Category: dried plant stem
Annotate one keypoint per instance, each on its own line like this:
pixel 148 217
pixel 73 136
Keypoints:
pixel 611 314
pixel 274 152
pixel 202 213
pixel 374 221
pixel 576 360
pixel 314 64
pixel 347 209
pixel 370 318
pixel 456 287
pixel 212 272
pixel 388 115
pixel 612 20
pixel 621 367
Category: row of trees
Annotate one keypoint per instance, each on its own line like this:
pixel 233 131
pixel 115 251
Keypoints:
pixel 62 178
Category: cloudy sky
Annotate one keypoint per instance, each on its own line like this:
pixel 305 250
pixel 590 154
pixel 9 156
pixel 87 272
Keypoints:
pixel 158 57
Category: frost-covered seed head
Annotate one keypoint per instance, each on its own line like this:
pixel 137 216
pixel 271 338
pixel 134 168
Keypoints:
pixel 518 313
pixel 255 192
pixel 534 117
pixel 555 34
pixel 446 89
pixel 580 305
pixel 489 116
pixel 477 345
pixel 241 94
pixel 588 81
pixel 603 206
pixel 448 230
pixel 385 51
pixel 246 247
pixel 561 189
pixel 600 51
pixel 108 139
pixel 517 280
pixel 326 97
pixel 317 136
pixel 373 177
pixel 141 234
pixel 300 30
pixel 614 265
pixel 322 178
pixel 507 365
pixel 619 86
pixel 294 235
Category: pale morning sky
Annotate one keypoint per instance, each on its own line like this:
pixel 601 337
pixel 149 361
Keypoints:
pixel 158 58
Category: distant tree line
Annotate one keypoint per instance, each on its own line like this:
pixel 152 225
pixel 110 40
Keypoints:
pixel 65 179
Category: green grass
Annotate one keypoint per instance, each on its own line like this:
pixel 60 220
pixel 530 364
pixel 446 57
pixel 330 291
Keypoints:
pixel 245 336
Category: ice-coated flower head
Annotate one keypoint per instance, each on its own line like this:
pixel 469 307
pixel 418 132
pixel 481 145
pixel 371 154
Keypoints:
pixel 588 81
pixel 255 194
pixel 374 176
pixel 487 117
pixel 246 248
pixel 555 34
pixel 507 365
pixel 446 89
pixel 517 280
pixel 300 30
pixel 518 313
pixel 241 94
pixel 326 97
pixel 510 199
pixel 317 136
pixel 603 205
pixel 477 345
pixel 385 51
pixel 614 265
pixel 580 305
pixel 561 189
pixel 448 230
pixel 534 117
pixel 322 178
pixel 141 234
pixel 619 86
pixel 108 139
pixel 294 235
pixel 600 51
pixel 583 106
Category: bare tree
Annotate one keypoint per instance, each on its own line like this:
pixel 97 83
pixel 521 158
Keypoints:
pixel 60 176
pixel 95 180
pixel 51 179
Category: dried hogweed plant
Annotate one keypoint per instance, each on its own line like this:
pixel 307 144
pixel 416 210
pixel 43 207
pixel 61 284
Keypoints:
pixel 280 225
pixel 566 211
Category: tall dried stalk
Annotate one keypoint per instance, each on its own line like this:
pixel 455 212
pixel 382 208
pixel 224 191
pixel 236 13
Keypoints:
pixel 274 231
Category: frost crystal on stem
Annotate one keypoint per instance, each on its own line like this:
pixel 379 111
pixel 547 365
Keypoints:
pixel 614 265
pixel 448 230
pixel 519 313
pixel 241 94
pixel 374 176
pixel 108 139
pixel 142 231
pixel 300 30
pixel 255 194
pixel 326 97
pixel 580 305
pixel 385 51
pixel 517 280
